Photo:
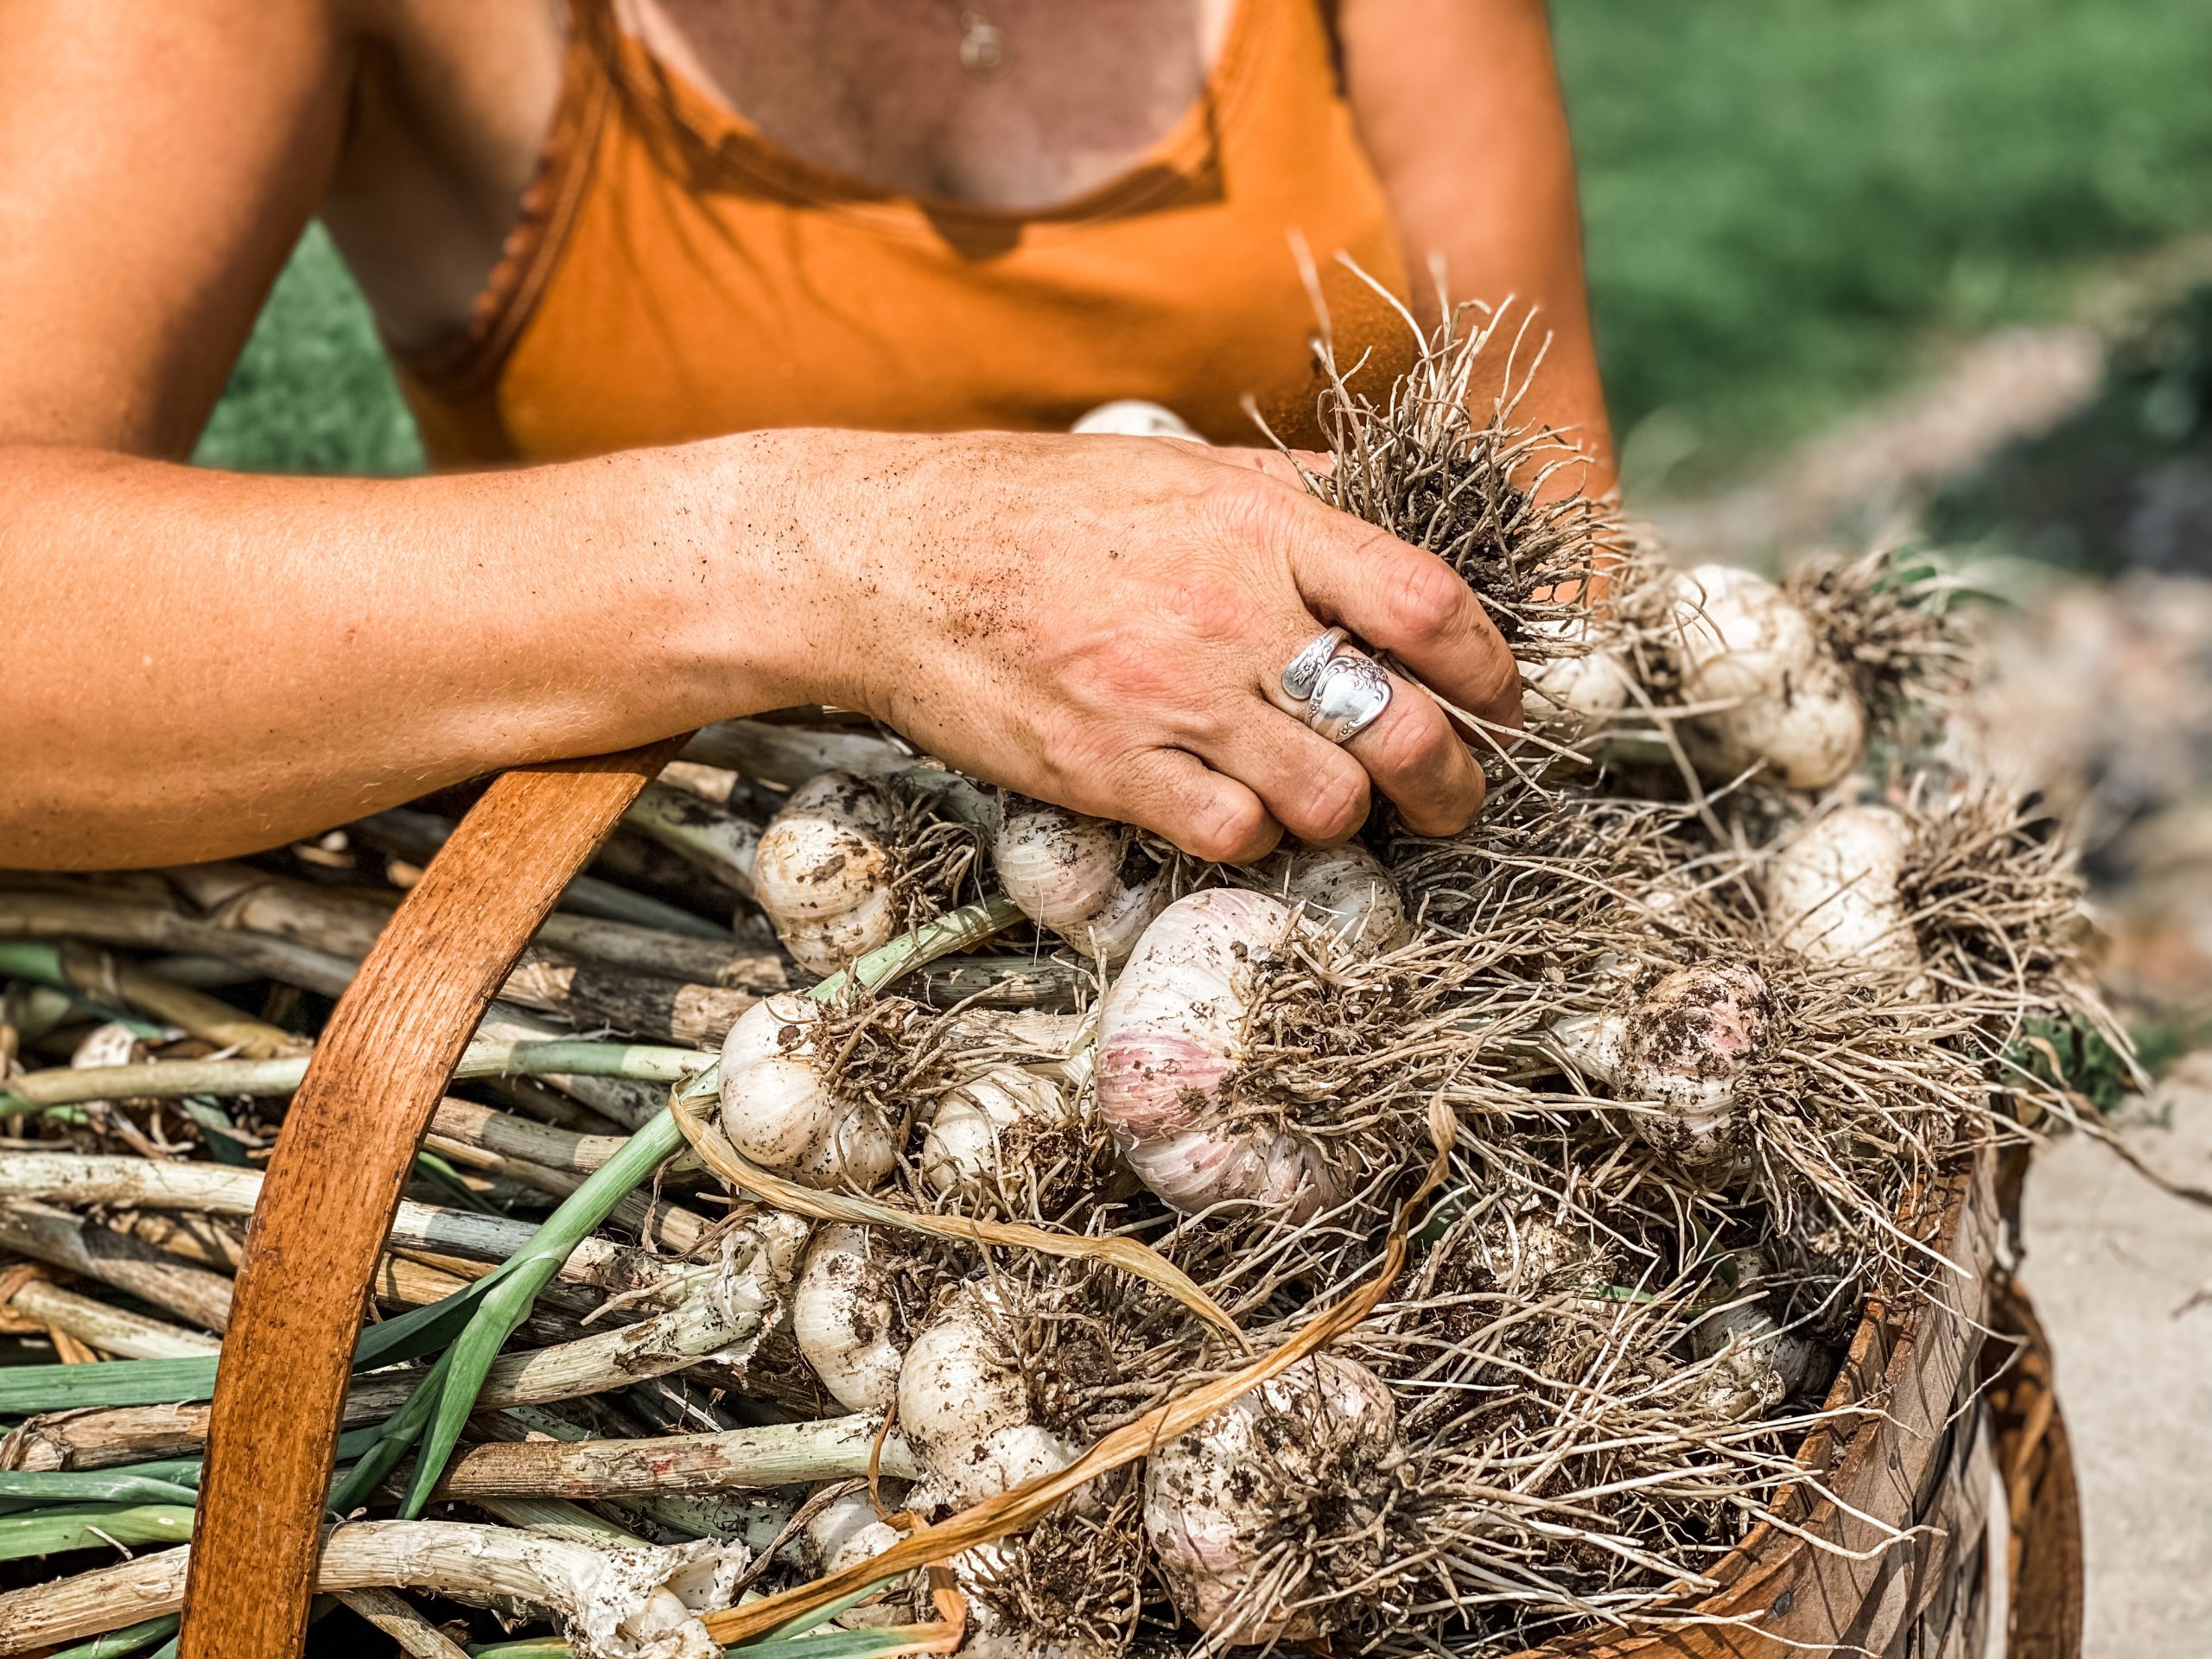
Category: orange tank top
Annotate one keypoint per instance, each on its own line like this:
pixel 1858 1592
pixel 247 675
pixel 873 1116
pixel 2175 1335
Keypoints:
pixel 675 275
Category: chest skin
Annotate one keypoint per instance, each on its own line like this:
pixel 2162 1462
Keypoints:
pixel 451 105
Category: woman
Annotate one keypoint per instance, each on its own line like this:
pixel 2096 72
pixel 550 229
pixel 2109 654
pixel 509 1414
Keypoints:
pixel 601 236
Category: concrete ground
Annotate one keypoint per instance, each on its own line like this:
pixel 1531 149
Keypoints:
pixel 2114 1266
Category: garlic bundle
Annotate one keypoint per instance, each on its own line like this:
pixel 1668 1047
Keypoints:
pixel 1065 872
pixel 1740 641
pixel 1682 1047
pixel 1832 890
pixel 842 1320
pixel 1316 1446
pixel 1344 891
pixel 825 873
pixel 780 1107
pixel 964 1407
pixel 1169 1032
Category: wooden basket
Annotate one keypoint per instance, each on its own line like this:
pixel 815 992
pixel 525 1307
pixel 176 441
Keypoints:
pixel 1916 1457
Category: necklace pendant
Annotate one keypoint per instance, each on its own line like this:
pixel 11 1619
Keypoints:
pixel 984 52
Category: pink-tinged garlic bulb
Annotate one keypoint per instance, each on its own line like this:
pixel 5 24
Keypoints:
pixel 965 1408
pixel 1832 890
pixel 1170 1034
pixel 780 1107
pixel 1344 891
pixel 1788 702
pixel 1133 417
pixel 1065 871
pixel 843 1320
pixel 1682 1047
pixel 1316 1446
pixel 825 871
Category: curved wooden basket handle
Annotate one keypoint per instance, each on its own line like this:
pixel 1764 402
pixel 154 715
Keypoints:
pixel 333 1184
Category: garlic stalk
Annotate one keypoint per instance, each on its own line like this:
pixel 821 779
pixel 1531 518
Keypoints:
pixel 1316 1446
pixel 1065 872
pixel 1681 1047
pixel 964 1407
pixel 1785 699
pixel 1832 890
pixel 825 871
pixel 1169 1035
pixel 611 1604
pixel 844 1319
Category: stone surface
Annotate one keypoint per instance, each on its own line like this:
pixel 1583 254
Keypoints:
pixel 2122 1274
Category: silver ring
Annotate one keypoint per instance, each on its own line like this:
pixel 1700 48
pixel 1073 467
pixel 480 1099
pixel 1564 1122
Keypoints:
pixel 1299 677
pixel 1349 696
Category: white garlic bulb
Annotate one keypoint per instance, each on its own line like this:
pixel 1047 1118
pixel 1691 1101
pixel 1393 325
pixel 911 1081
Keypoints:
pixel 1169 1035
pixel 823 871
pixel 1788 703
pixel 1133 417
pixel 963 1407
pixel 842 1320
pixel 1344 891
pixel 1682 1047
pixel 1322 1434
pixel 1832 890
pixel 964 1148
pixel 780 1108
pixel 1063 871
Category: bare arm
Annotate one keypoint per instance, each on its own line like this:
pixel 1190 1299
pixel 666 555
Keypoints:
pixel 200 663
pixel 1458 102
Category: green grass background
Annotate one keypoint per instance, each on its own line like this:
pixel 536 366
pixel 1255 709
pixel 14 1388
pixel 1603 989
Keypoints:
pixel 1792 204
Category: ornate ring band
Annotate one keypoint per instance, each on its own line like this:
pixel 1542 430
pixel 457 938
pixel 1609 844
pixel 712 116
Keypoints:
pixel 1300 676
pixel 1349 696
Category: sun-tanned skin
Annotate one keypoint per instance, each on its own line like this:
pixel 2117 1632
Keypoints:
pixel 199 663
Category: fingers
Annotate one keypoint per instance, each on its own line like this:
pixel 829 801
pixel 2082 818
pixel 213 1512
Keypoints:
pixel 1411 603
pixel 1272 463
pixel 1207 813
pixel 1312 788
pixel 1418 761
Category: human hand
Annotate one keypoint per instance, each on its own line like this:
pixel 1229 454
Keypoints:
pixel 1103 622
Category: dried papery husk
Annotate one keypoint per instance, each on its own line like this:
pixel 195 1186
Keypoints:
pixel 1768 691
pixel 1079 877
pixel 1234 1506
pixel 810 1090
pixel 1344 891
pixel 964 1405
pixel 844 1318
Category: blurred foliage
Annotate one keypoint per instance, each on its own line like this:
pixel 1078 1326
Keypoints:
pixel 1789 203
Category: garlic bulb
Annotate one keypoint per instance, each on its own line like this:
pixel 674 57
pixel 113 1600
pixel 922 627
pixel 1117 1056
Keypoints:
pixel 1169 1036
pixel 1320 1440
pixel 1758 1361
pixel 823 871
pixel 965 1151
pixel 1065 872
pixel 1133 417
pixel 780 1108
pixel 1570 698
pixel 1682 1047
pixel 1832 891
pixel 841 1320
pixel 844 1532
pixel 962 1405
pixel 1343 890
pixel 1790 703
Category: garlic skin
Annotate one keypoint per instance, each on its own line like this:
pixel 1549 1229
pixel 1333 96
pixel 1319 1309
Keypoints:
pixel 966 1410
pixel 1833 891
pixel 1133 417
pixel 1741 641
pixel 1345 890
pixel 1220 1497
pixel 1682 1047
pixel 842 1319
pixel 1063 871
pixel 823 871
pixel 781 1111
pixel 1168 1044
pixel 963 1149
